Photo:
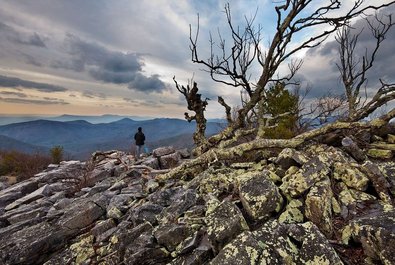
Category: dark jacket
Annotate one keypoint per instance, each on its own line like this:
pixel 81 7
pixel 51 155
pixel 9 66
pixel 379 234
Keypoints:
pixel 140 138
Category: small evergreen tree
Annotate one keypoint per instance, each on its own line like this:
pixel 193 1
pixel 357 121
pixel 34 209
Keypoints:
pixel 57 153
pixel 280 111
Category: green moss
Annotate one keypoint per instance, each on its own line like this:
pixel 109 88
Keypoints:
pixel 387 207
pixel 377 123
pixel 104 250
pixel 361 196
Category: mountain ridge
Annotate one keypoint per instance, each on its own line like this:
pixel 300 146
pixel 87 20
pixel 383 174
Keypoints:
pixel 80 138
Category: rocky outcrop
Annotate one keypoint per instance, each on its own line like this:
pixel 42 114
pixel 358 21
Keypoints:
pixel 313 205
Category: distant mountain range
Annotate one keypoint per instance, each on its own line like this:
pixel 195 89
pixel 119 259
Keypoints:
pixel 80 138
pixel 107 118
pixel 8 143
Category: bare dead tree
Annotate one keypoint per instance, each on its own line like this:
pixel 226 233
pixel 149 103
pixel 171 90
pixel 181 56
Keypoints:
pixel 195 166
pixel 384 94
pixel 319 111
pixel 231 66
pixel 197 105
pixel 354 69
pixel 228 109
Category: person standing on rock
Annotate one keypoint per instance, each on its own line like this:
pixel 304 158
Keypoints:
pixel 139 137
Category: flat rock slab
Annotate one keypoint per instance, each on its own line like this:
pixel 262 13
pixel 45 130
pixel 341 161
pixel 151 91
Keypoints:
pixel 17 191
pixel 35 213
pixel 162 151
pixel 81 215
pixel 37 194
pixel 170 235
pixel 32 244
pixel 8 198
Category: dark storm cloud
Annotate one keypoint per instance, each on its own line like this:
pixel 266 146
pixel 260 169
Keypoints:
pixel 16 37
pixel 93 54
pixel 45 101
pixel 109 66
pixel 146 84
pixel 112 77
pixel 6 81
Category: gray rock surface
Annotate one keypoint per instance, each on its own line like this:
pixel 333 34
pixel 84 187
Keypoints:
pixel 314 205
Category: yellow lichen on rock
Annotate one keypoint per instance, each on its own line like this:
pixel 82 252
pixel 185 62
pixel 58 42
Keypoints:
pixel 83 250
pixel 318 260
pixel 380 154
pixel 293 213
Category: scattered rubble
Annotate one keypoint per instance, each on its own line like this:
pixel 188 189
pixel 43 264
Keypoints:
pixel 314 205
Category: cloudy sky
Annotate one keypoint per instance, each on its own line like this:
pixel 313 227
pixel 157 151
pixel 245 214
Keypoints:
pixel 94 57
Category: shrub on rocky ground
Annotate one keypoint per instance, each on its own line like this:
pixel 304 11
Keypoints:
pixel 22 165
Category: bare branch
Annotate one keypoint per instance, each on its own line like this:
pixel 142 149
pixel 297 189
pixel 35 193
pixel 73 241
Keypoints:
pixel 228 109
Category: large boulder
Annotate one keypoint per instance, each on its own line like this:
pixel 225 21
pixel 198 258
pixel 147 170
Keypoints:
pixel 351 175
pixel 290 157
pixel 162 151
pixel 376 232
pixel 80 215
pixel 224 222
pixel 243 250
pixel 319 206
pixel 259 196
pixel 316 169
pixel 170 160
pixel 170 235
pixel 294 244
